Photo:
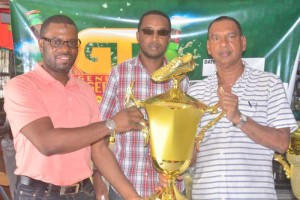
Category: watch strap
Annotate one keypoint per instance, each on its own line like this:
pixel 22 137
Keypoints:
pixel 243 120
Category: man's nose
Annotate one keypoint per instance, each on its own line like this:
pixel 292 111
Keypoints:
pixel 155 35
pixel 223 41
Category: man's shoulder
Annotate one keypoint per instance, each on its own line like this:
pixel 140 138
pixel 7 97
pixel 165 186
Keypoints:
pixel 263 74
pixel 23 79
pixel 24 84
pixel 198 87
pixel 127 63
pixel 199 83
pixel 125 67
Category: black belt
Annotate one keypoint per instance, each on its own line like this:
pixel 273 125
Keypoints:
pixel 50 188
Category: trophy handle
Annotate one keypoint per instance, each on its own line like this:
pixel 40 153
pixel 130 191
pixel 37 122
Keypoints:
pixel 211 110
pixel 146 134
pixel 279 158
pixel 130 97
pixel 130 101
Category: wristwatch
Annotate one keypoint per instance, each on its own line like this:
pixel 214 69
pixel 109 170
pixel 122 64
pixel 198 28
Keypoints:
pixel 243 120
pixel 111 125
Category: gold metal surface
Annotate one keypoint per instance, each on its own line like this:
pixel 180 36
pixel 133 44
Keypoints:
pixel 295 143
pixel 279 158
pixel 292 171
pixel 176 69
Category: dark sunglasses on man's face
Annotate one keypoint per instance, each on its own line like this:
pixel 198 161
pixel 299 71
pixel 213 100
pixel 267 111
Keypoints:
pixel 161 32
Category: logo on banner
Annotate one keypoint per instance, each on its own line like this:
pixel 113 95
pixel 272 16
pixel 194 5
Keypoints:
pixel 100 49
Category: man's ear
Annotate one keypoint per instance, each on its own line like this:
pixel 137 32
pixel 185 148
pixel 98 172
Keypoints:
pixel 208 47
pixel 137 36
pixel 244 43
pixel 41 44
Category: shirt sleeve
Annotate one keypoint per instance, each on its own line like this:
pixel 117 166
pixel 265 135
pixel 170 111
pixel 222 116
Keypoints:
pixel 21 103
pixel 279 112
pixel 108 102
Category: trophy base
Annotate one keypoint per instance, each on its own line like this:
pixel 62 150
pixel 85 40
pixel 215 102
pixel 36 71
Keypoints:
pixel 167 193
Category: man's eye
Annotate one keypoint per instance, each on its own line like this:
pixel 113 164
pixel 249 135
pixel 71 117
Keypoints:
pixel 163 32
pixel 73 43
pixel 148 31
pixel 214 38
pixel 231 36
pixel 56 42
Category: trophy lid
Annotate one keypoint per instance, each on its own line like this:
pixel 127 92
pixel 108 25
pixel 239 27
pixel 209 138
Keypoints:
pixel 175 98
pixel 176 69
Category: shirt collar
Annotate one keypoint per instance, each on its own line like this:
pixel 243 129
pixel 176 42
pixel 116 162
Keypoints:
pixel 43 74
pixel 243 77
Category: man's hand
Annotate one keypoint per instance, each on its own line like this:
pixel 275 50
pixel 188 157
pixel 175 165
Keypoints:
pixel 129 118
pixel 229 104
pixel 163 181
pixel 100 187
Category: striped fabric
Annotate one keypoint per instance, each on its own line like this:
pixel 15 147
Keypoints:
pixel 133 157
pixel 230 165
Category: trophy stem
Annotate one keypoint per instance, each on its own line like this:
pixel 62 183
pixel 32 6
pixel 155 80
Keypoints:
pixel 169 192
pixel 176 83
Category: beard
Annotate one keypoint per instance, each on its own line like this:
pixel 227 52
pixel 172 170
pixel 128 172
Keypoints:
pixel 153 50
pixel 59 67
pixel 152 55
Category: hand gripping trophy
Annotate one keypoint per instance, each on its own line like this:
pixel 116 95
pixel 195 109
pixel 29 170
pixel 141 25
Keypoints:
pixel 173 119
pixel 293 156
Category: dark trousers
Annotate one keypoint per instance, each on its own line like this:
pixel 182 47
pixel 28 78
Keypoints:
pixel 39 192
pixel 113 195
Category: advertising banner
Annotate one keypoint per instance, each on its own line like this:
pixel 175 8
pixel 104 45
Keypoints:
pixel 107 30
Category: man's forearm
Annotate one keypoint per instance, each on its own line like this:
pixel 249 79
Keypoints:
pixel 106 163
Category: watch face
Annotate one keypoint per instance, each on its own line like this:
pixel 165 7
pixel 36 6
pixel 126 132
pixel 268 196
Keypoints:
pixel 110 124
pixel 243 120
pixel 244 117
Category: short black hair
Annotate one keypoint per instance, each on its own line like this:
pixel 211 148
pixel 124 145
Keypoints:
pixel 154 12
pixel 221 18
pixel 56 19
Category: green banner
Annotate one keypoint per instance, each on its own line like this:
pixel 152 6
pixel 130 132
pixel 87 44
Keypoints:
pixel 107 30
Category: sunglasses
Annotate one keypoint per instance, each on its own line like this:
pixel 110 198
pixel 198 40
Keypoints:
pixel 161 32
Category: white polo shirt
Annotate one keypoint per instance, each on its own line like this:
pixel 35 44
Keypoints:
pixel 230 165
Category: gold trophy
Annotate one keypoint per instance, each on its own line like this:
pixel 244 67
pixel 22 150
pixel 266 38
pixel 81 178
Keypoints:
pixel 173 120
pixel 292 171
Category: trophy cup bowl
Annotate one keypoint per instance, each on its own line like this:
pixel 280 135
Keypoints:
pixel 172 131
pixel 173 120
pixel 292 167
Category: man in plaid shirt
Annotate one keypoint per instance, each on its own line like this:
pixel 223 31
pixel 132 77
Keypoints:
pixel 133 156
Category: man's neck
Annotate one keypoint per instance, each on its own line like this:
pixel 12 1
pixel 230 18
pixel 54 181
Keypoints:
pixel 228 76
pixel 151 64
pixel 61 77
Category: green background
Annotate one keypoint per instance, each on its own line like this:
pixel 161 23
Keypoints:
pixel 271 26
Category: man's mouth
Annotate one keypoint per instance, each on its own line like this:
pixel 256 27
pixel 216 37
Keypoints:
pixel 225 53
pixel 63 57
